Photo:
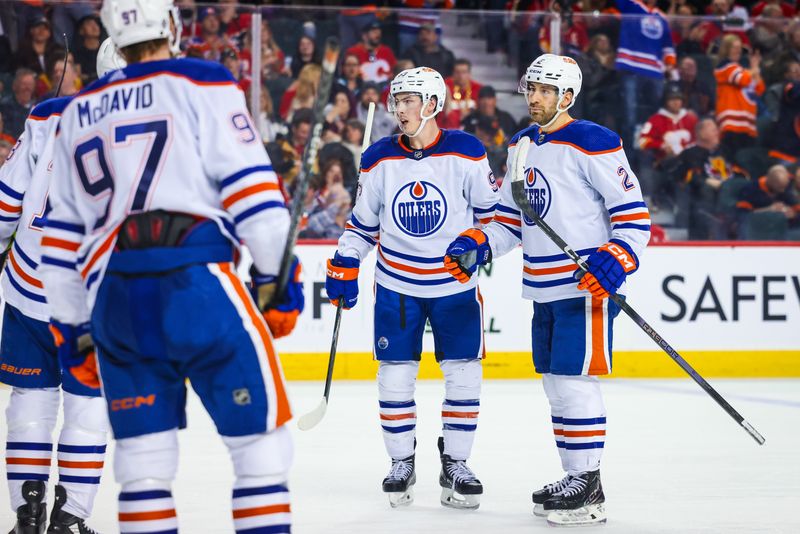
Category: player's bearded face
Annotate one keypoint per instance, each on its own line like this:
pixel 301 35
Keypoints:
pixel 542 101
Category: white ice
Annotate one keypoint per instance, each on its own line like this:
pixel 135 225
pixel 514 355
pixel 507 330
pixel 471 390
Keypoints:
pixel 674 462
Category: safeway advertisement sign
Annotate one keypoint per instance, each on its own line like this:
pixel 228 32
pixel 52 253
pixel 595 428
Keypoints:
pixel 697 298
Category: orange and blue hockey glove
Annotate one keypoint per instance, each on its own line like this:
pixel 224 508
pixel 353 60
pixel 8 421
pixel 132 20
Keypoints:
pixel 342 280
pixel 469 250
pixel 281 313
pixel 609 265
pixel 76 352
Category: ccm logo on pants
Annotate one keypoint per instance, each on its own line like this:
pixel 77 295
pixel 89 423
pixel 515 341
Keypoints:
pixel 130 403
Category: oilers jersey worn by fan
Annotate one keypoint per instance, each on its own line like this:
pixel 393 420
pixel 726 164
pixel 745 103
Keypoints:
pixel 579 180
pixel 131 141
pixel 415 202
pixel 24 182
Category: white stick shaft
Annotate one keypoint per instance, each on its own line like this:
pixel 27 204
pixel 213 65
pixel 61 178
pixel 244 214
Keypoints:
pixel 368 127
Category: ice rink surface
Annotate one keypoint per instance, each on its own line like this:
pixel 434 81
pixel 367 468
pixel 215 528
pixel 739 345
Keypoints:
pixel 674 462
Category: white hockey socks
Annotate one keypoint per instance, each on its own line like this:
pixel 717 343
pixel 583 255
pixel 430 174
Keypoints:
pixel 398 411
pixel 462 380
pixel 31 416
pixel 81 451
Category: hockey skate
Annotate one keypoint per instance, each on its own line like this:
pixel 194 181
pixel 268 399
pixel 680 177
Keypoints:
pixel 579 504
pixel 460 487
pixel 62 522
pixel 399 483
pixel 31 517
pixel 540 496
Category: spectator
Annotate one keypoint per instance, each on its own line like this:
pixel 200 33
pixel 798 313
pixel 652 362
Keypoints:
pixel 697 95
pixel 4 137
pixel 5 149
pixel 269 126
pixel 700 170
pixel 211 40
pixel 383 123
pixel 463 89
pixel 771 193
pixel 487 108
pixel 306 54
pixel 767 35
pixel 600 85
pixel 786 9
pixel 729 19
pixel 671 129
pixel 645 53
pixel 328 204
pixel 293 147
pixel 429 52
pixel 302 92
pixel 71 83
pixel 574 37
pixel 783 134
pixel 337 112
pixel 229 57
pixel 775 64
pixel 409 22
pixel 736 91
pixel 15 108
pixel 231 22
pixel 33 51
pixel 351 74
pixel 377 60
pixel 67 16
pixel 87 43
pixel 352 21
pixel 273 60
pixel 353 137
pixel 489 133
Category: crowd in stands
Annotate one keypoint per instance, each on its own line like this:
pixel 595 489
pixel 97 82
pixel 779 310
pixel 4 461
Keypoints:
pixel 704 93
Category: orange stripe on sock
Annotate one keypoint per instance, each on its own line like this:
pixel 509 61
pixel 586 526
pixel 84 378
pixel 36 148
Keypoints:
pixel 262 510
pixel 578 433
pixel 283 412
pixel 396 417
pixel 147 516
pixel 80 465
pixel 461 415
pixel 28 461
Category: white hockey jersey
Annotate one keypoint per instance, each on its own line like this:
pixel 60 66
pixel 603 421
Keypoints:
pixel 172 135
pixel 415 203
pixel 24 182
pixel 579 180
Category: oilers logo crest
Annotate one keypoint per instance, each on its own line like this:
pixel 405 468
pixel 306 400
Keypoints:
pixel 539 194
pixel 419 208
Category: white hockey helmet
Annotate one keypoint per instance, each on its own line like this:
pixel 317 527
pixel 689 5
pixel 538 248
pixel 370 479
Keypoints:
pixel 423 81
pixel 135 21
pixel 109 58
pixel 562 72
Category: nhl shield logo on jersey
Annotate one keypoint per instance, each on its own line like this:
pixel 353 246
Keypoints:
pixel 419 208
pixel 539 193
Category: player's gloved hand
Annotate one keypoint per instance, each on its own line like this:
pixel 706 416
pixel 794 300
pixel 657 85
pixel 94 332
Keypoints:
pixel 76 352
pixel 609 265
pixel 280 312
pixel 342 280
pixel 469 250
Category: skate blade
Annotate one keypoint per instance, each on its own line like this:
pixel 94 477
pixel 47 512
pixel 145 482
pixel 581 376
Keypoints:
pixel 539 511
pixel 594 514
pixel 451 499
pixel 401 498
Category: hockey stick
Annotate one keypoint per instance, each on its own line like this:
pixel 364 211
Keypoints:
pixel 521 199
pixel 329 62
pixel 312 418
pixel 66 61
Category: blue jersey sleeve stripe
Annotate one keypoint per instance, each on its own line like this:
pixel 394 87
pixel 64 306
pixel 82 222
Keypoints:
pixel 511 229
pixel 24 292
pixel 49 107
pixel 362 226
pixel 416 282
pixel 556 257
pixel 485 210
pixel 271 204
pixel 642 227
pixel 233 178
pixel 9 219
pixel 92 278
pixel 69 227
pixel 47 260
pixel 505 209
pixel 410 257
pixel 10 192
pixel 368 239
pixel 32 264
pixel 625 207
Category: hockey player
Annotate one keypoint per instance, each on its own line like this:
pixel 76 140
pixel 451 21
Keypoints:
pixel 417 190
pixel 28 357
pixel 163 175
pixel 579 180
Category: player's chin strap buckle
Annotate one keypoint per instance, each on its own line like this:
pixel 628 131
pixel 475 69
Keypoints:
pixel 158 228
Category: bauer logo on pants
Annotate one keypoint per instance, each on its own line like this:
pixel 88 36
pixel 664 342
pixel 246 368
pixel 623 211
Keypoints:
pixel 539 194
pixel 419 209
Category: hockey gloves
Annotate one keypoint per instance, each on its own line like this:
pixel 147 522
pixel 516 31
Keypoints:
pixel 469 250
pixel 76 352
pixel 342 280
pixel 280 312
pixel 609 265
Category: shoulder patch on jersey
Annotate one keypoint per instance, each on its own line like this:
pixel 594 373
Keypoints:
pixel 588 137
pixel 530 131
pixel 52 106
pixel 383 148
pixel 456 141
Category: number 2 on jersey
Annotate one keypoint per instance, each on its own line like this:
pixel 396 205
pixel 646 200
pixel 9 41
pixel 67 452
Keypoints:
pixel 157 131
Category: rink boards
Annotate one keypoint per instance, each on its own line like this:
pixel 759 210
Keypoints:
pixel 731 311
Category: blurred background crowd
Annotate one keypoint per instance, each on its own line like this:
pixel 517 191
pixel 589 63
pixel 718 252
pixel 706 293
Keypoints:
pixel 705 93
